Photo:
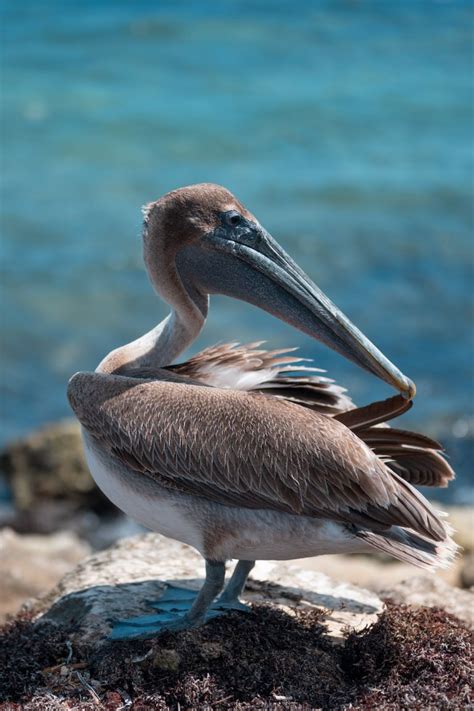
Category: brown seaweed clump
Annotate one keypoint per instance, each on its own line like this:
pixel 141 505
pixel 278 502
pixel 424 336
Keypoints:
pixel 412 657
pixel 415 658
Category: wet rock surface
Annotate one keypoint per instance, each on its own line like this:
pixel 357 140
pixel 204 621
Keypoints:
pixel 308 643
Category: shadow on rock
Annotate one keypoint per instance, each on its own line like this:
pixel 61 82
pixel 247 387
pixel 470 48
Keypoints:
pixel 89 613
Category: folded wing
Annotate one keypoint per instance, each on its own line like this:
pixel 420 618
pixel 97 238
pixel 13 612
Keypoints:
pixel 416 458
pixel 246 449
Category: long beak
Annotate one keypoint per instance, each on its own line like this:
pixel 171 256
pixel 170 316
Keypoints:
pixel 287 292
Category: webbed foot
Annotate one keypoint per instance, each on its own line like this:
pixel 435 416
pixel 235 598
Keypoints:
pixel 173 614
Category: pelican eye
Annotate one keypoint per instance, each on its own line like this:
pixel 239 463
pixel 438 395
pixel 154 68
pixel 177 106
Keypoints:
pixel 232 218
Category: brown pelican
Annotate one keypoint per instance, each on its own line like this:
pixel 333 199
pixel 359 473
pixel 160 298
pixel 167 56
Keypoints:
pixel 242 453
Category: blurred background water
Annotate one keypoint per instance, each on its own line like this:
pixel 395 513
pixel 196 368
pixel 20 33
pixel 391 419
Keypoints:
pixel 346 127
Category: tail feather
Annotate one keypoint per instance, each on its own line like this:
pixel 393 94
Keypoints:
pixel 416 458
pixel 409 547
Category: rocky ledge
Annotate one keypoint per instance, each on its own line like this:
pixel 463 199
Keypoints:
pixel 308 642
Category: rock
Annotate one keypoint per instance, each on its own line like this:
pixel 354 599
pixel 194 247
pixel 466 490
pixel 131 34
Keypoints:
pixel 118 582
pixel 461 518
pixel 372 572
pixel 430 591
pixel 53 490
pixel 466 576
pixel 49 465
pixel 31 565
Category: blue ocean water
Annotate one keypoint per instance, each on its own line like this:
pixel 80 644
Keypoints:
pixel 345 126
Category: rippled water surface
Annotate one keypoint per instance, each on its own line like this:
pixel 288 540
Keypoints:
pixel 345 126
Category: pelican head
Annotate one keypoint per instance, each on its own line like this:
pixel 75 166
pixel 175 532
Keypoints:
pixel 201 240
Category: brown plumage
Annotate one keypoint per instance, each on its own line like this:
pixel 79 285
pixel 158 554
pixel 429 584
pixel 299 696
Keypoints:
pixel 245 449
pixel 244 452
pixel 415 457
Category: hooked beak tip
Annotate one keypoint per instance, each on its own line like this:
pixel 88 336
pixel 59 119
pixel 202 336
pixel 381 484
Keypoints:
pixel 408 391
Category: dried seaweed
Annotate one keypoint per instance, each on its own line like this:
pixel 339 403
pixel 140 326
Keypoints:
pixel 410 658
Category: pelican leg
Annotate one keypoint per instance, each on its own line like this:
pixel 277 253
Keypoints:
pixel 178 608
pixel 215 577
pixel 232 591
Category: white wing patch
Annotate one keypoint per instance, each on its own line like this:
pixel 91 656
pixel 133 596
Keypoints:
pixel 234 377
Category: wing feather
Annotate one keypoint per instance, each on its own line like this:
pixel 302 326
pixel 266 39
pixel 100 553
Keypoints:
pixel 249 367
pixel 247 449
pixel 375 413
pixel 416 458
